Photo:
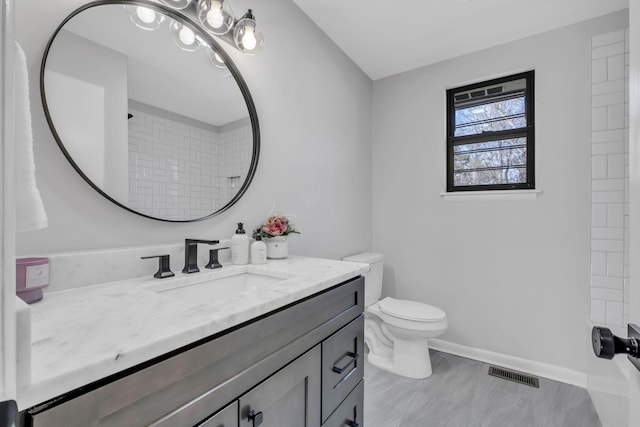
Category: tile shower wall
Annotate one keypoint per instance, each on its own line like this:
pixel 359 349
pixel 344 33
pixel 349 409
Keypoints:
pixel 179 169
pixel 610 178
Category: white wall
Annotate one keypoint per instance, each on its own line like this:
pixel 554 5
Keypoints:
pixel 100 146
pixel 513 276
pixel 314 107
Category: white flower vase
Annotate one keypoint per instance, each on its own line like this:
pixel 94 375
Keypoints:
pixel 277 247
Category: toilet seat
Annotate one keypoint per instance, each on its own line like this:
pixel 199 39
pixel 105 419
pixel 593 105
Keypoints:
pixel 411 310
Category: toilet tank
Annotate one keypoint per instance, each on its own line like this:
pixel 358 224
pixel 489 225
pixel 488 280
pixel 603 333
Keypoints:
pixel 373 278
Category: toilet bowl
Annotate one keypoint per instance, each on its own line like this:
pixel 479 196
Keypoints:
pixel 396 330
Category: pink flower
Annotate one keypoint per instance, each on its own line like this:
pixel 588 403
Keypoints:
pixel 276 225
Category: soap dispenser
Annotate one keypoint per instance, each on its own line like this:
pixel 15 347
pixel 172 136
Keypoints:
pixel 240 246
pixel 258 251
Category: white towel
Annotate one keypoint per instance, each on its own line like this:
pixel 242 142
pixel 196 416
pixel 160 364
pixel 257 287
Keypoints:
pixel 30 213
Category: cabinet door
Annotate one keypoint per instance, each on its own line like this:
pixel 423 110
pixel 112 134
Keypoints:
pixel 349 413
pixel 342 368
pixel 290 398
pixel 228 417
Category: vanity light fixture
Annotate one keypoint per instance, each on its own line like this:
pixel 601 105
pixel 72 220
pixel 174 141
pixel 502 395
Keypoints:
pixel 184 36
pixel 145 18
pixel 215 16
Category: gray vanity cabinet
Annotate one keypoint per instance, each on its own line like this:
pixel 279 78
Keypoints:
pixel 274 365
pixel 290 398
pixel 228 417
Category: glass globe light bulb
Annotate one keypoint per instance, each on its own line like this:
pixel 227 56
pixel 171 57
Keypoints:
pixel 248 35
pixel 145 18
pixel 249 38
pixel 186 36
pixel 145 14
pixel 215 15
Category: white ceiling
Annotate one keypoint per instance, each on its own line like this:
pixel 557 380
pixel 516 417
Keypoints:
pixel 389 37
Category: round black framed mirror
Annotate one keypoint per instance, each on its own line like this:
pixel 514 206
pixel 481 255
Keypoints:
pixel 150 110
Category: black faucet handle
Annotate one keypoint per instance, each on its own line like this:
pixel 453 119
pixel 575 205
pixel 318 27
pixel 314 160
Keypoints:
pixel 196 241
pixel 164 268
pixel 213 259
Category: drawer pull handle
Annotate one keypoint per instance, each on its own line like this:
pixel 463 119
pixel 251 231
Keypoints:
pixel 352 424
pixel 256 417
pixel 347 360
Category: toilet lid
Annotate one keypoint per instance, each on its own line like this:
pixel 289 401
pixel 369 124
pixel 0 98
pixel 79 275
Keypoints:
pixel 411 310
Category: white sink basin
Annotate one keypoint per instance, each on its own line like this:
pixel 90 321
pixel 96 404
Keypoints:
pixel 219 288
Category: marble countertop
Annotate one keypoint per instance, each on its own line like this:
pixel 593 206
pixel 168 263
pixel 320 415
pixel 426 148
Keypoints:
pixel 84 334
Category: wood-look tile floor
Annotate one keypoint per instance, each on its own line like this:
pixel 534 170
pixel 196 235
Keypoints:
pixel 460 393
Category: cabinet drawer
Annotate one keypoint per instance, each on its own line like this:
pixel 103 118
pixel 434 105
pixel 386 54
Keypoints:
pixel 342 367
pixel 228 417
pixel 350 412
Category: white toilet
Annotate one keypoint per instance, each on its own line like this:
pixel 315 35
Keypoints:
pixel 396 331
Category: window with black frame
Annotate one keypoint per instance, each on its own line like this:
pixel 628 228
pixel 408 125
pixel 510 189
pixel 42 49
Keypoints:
pixel 490 135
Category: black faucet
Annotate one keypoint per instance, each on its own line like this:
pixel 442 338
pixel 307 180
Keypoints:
pixel 191 254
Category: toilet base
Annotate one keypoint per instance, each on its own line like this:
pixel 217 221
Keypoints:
pixel 417 366
pixel 400 346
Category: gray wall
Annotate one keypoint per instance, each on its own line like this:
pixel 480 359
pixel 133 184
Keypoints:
pixel 314 107
pixel 513 276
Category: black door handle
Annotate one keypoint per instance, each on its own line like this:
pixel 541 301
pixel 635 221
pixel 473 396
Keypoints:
pixel 606 345
pixel 347 360
pixel 256 417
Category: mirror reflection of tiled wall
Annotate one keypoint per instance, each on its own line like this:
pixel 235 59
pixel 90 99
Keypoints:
pixel 180 168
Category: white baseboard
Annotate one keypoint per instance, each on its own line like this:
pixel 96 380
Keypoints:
pixel 552 372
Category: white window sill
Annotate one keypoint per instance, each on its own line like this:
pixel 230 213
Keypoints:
pixel 467 196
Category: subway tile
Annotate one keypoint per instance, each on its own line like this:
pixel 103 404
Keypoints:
pixel 607 197
pixel 615 215
pixel 608 50
pixel 615 166
pixel 615 266
pixel 598 311
pixel 607 233
pixel 598 263
pixel 607 184
pixel 608 38
pixel 598 215
pixel 607 246
pixel 615 313
pixel 615 283
pixel 599 166
pixel 608 148
pixel 615 116
pixel 599 70
pixel 615 67
pixel 599 119
pixel 613 135
pixel 607 87
pixel 614 295
pixel 608 99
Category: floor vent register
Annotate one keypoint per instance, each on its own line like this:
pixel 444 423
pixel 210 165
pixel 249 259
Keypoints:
pixel 518 377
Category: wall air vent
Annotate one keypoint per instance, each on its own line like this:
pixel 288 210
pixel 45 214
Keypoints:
pixel 518 377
